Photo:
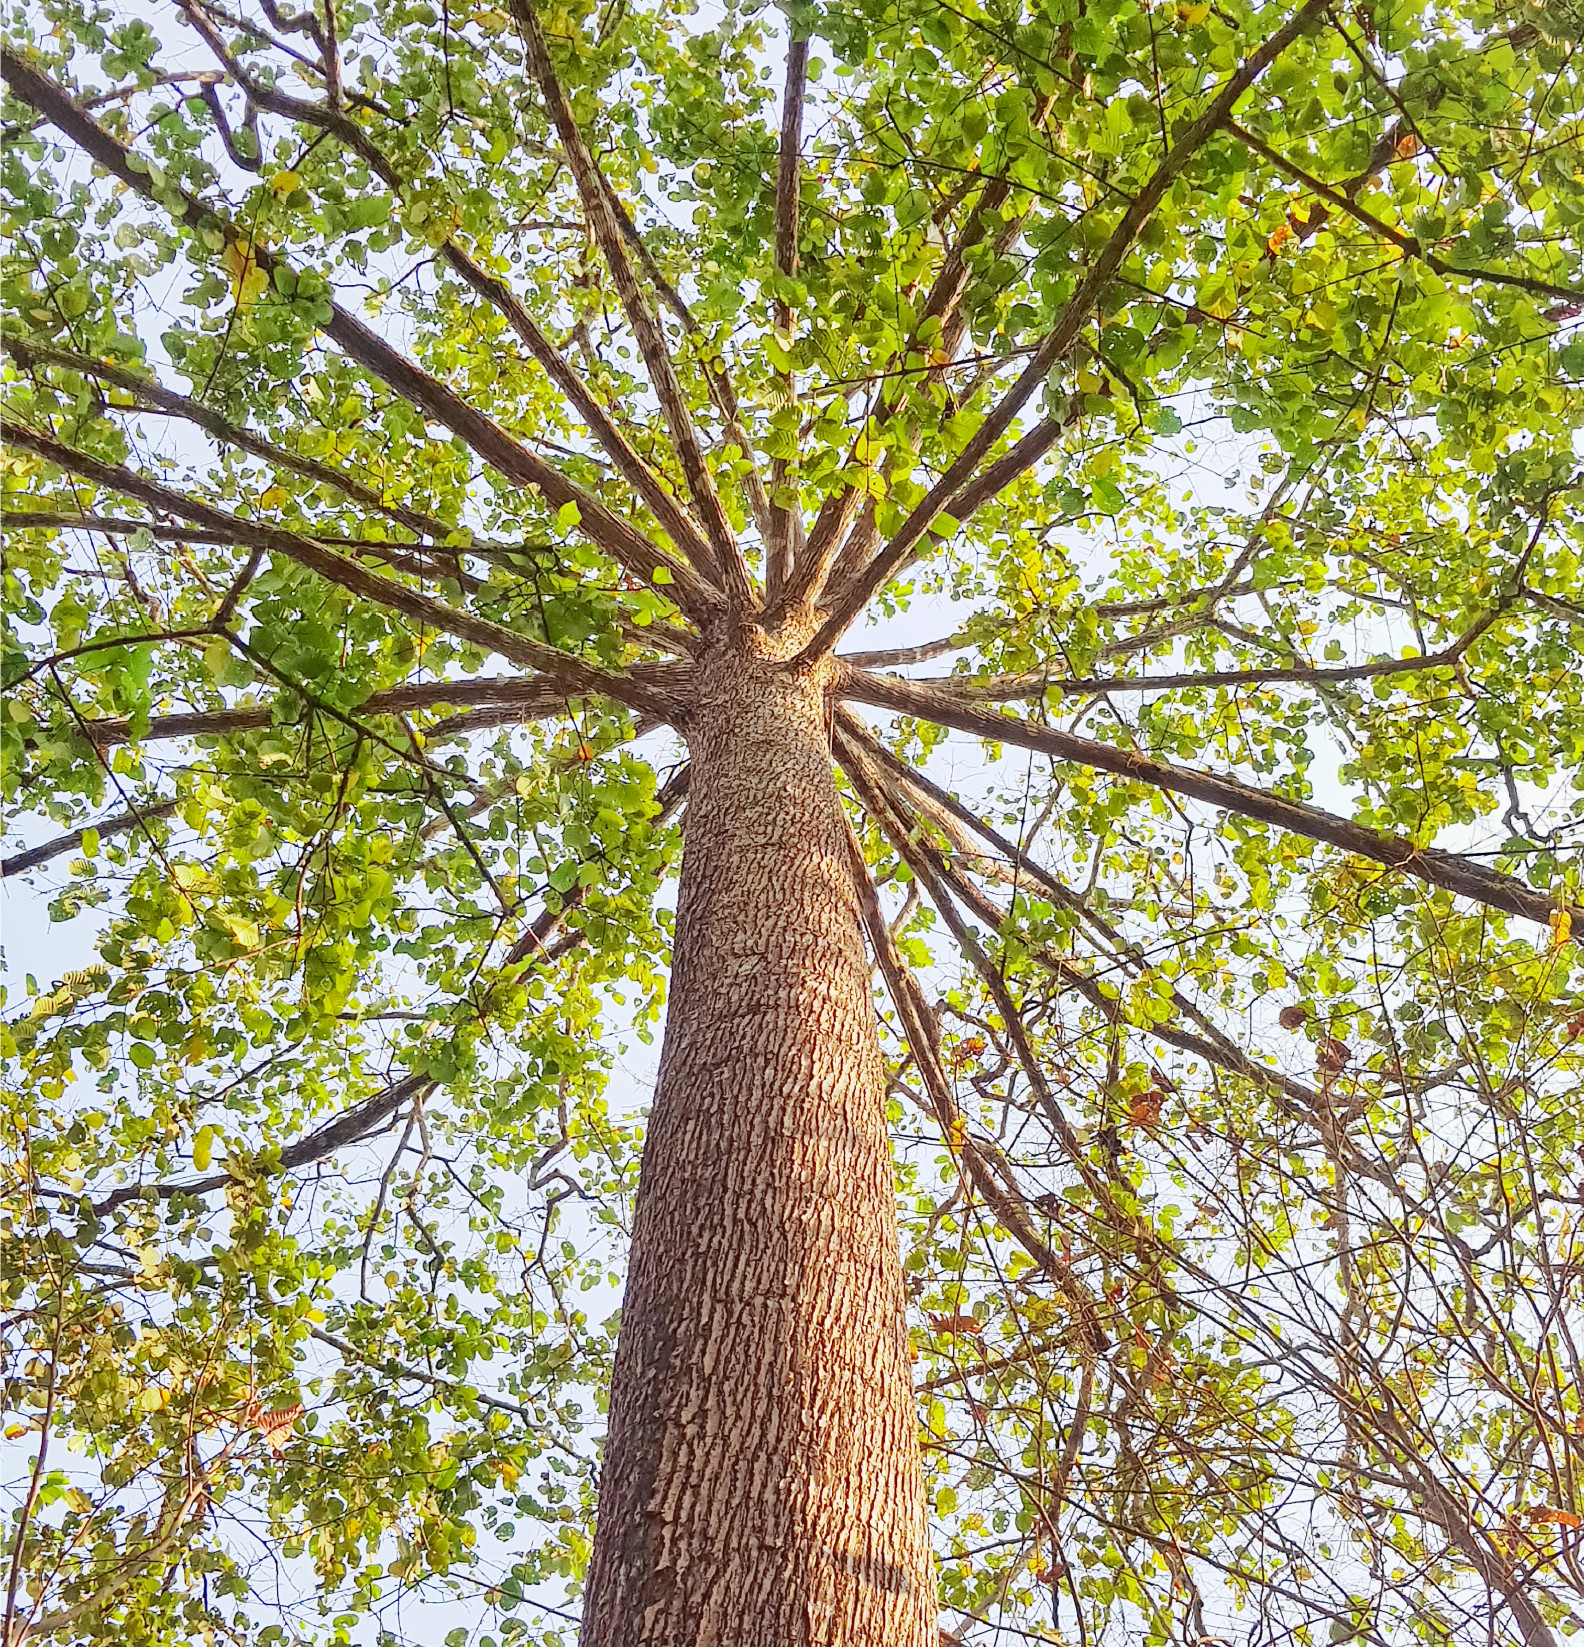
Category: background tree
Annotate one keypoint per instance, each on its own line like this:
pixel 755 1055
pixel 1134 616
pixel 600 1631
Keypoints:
pixel 445 453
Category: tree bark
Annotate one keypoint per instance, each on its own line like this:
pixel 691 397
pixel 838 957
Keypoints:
pixel 761 1484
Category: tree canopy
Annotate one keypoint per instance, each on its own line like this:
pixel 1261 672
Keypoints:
pixel 393 394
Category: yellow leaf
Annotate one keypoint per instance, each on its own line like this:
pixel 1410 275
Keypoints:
pixel 273 497
pixel 1561 927
pixel 283 183
pixel 203 1146
pixel 248 280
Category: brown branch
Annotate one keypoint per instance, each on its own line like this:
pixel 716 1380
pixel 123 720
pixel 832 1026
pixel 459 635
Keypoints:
pixel 123 822
pixel 982 1161
pixel 944 811
pixel 782 547
pixel 1436 868
pixel 1408 244
pixel 632 467
pixel 519 697
pixel 1555 605
pixel 1022 686
pixel 730 565
pixel 154 394
pixel 683 531
pixel 435 400
pixel 357 1123
pixel 571 674
pixel 898 657
pixel 1061 337
pixel 411 558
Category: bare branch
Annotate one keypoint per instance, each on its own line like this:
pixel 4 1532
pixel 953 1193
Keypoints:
pixel 516 698
pixel 900 656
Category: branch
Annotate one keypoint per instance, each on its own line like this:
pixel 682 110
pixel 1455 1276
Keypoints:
pixel 1408 244
pixel 534 944
pixel 154 394
pixel 1059 340
pixel 1022 686
pixel 732 568
pixel 1435 868
pixel 123 822
pixel 632 467
pixel 983 1162
pixel 954 820
pixel 517 697
pixel 898 657
pixel 572 674
pixel 417 1375
pixel 345 1129
pixel 1557 607
pixel 781 548
pixel 629 464
pixel 607 531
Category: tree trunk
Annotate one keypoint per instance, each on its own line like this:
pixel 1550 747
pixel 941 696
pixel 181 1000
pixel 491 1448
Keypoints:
pixel 761 1484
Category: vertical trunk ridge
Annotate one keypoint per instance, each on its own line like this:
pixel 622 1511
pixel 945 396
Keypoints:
pixel 761 1484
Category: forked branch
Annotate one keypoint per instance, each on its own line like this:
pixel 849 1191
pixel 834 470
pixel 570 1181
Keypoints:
pixel 571 674
pixel 1439 869
pixel 1058 341
pixel 731 567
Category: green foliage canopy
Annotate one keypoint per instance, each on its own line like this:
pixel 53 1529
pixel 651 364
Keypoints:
pixel 1230 433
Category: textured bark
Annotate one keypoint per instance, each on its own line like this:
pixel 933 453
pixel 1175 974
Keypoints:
pixel 761 1484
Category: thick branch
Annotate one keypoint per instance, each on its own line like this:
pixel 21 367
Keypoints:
pixel 1060 339
pixel 516 698
pixel 1439 869
pixel 123 822
pixel 608 531
pixel 781 548
pixel 956 821
pixel 733 569
pixel 411 558
pixel 572 674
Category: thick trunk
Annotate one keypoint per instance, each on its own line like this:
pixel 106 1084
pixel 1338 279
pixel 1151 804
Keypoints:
pixel 761 1483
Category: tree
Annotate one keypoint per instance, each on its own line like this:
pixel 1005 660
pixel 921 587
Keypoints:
pixel 452 454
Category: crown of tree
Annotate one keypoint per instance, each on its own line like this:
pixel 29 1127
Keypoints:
pixel 413 417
